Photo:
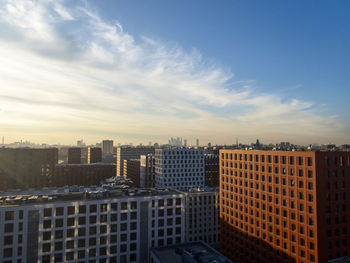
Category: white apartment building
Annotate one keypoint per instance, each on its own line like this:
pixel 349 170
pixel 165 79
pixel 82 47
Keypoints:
pixel 90 225
pixel 179 168
pixel 202 215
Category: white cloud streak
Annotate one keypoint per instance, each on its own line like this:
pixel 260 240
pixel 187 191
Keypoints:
pixel 61 80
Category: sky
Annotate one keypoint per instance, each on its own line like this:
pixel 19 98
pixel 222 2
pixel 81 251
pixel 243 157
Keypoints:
pixel 140 71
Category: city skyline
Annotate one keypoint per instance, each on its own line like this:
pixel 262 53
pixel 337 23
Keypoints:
pixel 97 70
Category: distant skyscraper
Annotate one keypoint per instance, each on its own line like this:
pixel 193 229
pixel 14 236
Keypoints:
pixel 80 143
pixel 179 168
pixel 185 142
pixel 94 155
pixel 107 147
pixel 197 142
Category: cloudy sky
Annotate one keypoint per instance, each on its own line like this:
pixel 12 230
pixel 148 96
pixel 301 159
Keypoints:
pixel 150 70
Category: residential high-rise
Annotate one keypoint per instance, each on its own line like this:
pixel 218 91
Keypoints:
pixel 211 162
pixel 107 147
pixel 147 170
pixel 202 215
pixel 24 168
pixel 74 155
pixel 132 171
pixel 179 168
pixel 125 153
pixel 94 155
pixel 284 206
pixel 90 225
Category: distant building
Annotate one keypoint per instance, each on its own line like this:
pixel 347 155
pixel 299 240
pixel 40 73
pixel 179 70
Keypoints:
pixel 147 170
pixel 284 206
pixel 82 174
pixel 24 168
pixel 202 215
pixel 179 168
pixel 74 155
pixel 107 147
pixel 132 171
pixel 197 142
pixel 126 153
pixel 89 224
pixel 192 252
pixel 80 143
pixel 94 155
pixel 211 162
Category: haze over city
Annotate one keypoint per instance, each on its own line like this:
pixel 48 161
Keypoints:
pixel 147 71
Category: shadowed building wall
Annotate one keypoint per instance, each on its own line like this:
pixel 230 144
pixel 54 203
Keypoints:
pixel 25 168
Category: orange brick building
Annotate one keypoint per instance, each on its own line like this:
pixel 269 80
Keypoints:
pixel 284 206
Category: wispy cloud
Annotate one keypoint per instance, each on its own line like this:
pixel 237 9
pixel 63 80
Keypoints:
pixel 66 72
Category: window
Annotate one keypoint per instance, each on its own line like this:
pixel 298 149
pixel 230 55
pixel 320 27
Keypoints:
pixel 8 240
pixel 124 206
pixel 93 208
pixel 82 209
pixel 59 211
pixel 47 212
pixel 47 235
pixel 103 207
pixel 47 224
pixel 71 210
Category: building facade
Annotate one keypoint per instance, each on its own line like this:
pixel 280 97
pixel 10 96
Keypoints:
pixel 126 153
pixel 284 206
pixel 107 147
pixel 132 171
pixel 24 168
pixel 202 215
pixel 179 168
pixel 147 170
pixel 211 170
pixel 91 226
pixel 94 155
pixel 82 174
pixel 74 155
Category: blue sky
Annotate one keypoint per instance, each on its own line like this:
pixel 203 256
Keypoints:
pixel 146 71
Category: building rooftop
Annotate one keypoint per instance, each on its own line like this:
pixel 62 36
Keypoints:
pixel 194 252
pixel 83 164
pixel 340 260
pixel 75 193
pixel 204 189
